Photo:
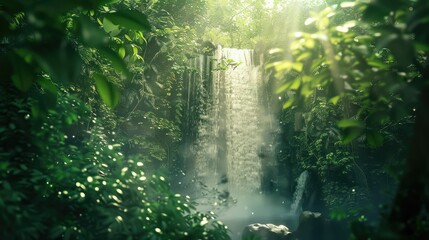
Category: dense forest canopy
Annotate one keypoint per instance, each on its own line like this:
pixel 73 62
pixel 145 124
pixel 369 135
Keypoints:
pixel 92 111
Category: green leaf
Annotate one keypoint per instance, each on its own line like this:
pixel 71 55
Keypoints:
pixel 334 100
pixel 116 61
pixel 109 26
pixel 347 4
pixel 297 66
pixel 109 93
pixel 306 90
pixel 104 2
pixel 420 46
pixel 130 19
pixel 23 167
pixel 91 33
pixel 347 123
pixel 295 85
pixel 288 103
pixel 352 129
pixel 378 64
pixel 6 185
pixel 4 166
pixel 48 85
pixel 55 56
pixel 374 139
pixel 71 118
pixel 283 88
pixel 135 49
pixel 283 66
pixel 351 133
pixel 303 56
pixel 128 38
pixel 275 50
pixel 121 52
pixel 35 109
pixel 23 75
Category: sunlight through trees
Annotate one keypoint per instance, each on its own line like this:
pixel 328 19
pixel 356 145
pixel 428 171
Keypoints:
pixel 113 112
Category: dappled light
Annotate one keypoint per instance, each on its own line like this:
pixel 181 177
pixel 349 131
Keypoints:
pixel 214 119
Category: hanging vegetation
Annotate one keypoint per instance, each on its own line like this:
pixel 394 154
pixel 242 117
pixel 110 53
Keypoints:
pixel 358 75
pixel 100 100
pixel 75 77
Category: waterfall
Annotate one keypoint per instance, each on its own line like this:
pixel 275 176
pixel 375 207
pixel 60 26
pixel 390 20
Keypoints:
pixel 301 185
pixel 230 131
pixel 231 142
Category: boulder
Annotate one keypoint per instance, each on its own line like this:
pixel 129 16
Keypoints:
pixel 266 232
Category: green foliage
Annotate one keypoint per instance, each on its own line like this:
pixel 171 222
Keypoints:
pixel 368 59
pixel 151 108
pixel 318 147
pixel 78 185
pixel 108 92
pixel 253 24
pixel 70 167
pixel 130 19
pixel 41 38
pixel 356 62
pixel 224 64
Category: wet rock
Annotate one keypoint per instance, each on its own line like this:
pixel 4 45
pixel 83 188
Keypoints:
pixel 266 232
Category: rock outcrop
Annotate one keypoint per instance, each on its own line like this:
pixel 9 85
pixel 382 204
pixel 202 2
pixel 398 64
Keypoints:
pixel 312 226
pixel 267 232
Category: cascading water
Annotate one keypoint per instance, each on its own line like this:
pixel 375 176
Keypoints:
pixel 229 134
pixel 301 185
pixel 234 141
